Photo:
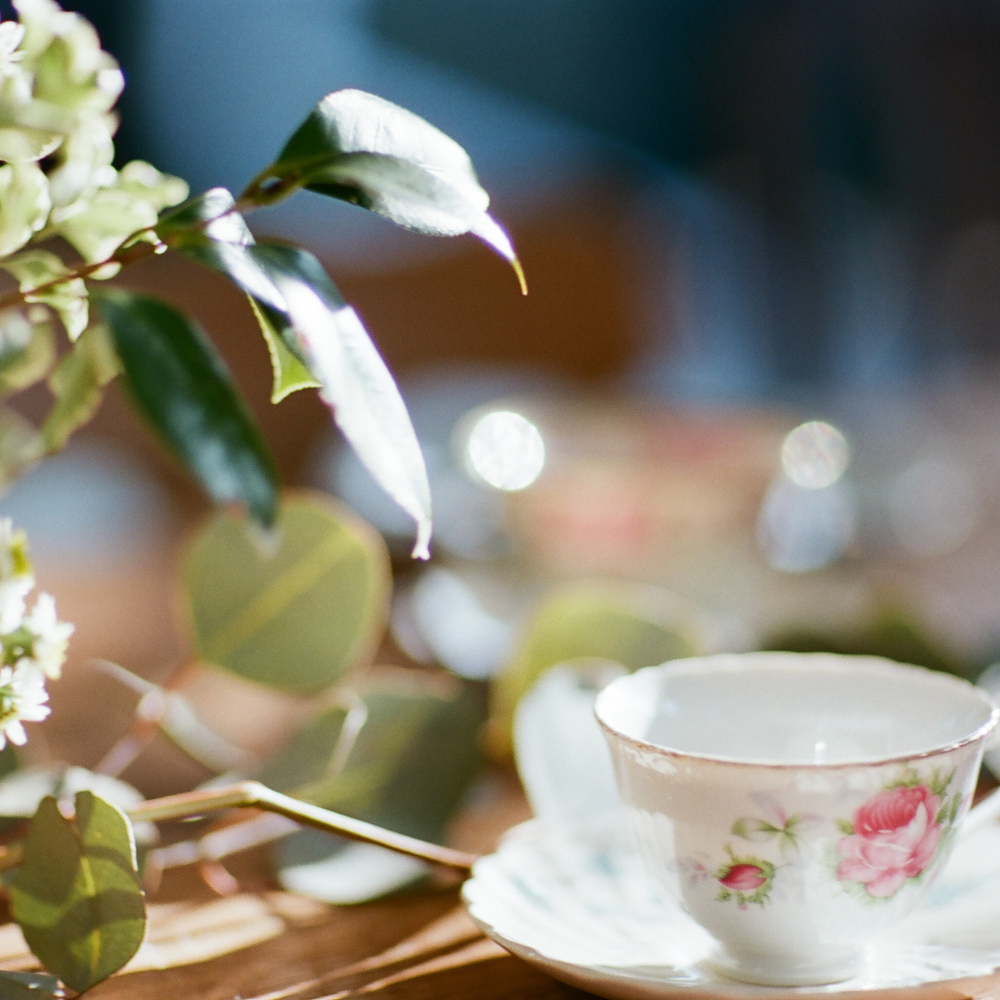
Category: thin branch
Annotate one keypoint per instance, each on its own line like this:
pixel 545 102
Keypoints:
pixel 253 794
pixel 124 256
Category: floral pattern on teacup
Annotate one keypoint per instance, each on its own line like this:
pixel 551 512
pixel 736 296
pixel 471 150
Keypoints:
pixel 896 834
pixel 893 838
pixel 747 880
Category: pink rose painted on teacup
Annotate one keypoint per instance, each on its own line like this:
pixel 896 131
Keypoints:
pixel 894 837
pixel 744 878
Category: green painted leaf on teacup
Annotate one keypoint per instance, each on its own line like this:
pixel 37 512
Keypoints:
pixel 634 626
pixel 296 609
pixel 185 391
pixel 77 897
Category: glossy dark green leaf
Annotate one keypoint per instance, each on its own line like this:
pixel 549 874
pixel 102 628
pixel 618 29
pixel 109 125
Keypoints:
pixel 184 389
pixel 328 336
pixel 313 338
pixel 77 897
pixel 298 613
pixel 77 383
pixel 30 986
pixel 365 150
pixel 209 230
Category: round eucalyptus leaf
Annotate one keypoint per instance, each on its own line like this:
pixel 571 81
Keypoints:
pixel 634 626
pixel 77 896
pixel 296 608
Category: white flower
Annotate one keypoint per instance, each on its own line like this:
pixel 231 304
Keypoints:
pixel 23 698
pixel 11 35
pixel 16 578
pixel 50 636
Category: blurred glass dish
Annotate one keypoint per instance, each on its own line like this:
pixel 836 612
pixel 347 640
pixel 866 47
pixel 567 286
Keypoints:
pixel 561 754
pixel 625 486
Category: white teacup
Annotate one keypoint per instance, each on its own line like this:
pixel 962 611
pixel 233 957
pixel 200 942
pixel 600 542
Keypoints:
pixel 798 804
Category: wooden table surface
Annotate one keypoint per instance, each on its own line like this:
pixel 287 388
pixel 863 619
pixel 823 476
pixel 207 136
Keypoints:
pixel 416 944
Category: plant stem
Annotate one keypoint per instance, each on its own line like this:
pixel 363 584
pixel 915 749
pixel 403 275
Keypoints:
pixel 123 256
pixel 252 794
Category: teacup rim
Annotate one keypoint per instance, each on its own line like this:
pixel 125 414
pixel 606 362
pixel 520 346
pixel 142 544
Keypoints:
pixel 879 662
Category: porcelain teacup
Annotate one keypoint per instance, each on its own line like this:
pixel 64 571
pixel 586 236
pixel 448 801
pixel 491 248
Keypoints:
pixel 797 804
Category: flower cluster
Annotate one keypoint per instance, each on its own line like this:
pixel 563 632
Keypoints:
pixel 57 92
pixel 33 643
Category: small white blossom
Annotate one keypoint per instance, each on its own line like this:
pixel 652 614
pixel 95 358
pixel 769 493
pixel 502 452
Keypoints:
pixel 11 35
pixel 50 637
pixel 16 578
pixel 23 698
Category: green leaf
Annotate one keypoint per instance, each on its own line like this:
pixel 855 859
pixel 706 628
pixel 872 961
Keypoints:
pixel 77 384
pixel 633 626
pixel 209 230
pixel 356 384
pixel 20 446
pixel 365 150
pixel 298 613
pixel 313 338
pixel 290 374
pixel 30 986
pixel 408 768
pixel 184 389
pixel 76 896
pixel 27 351
pixel 34 268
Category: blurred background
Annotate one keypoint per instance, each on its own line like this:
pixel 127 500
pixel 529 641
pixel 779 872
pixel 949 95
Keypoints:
pixel 757 366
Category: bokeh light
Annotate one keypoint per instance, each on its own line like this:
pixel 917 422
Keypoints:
pixel 815 455
pixel 505 450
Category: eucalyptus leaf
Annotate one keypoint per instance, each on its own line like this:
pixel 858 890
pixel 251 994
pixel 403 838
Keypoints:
pixel 633 626
pixel 298 611
pixel 368 151
pixel 184 389
pixel 77 383
pixel 356 384
pixel 408 768
pixel 409 764
pixel 30 986
pixel 35 268
pixel 76 896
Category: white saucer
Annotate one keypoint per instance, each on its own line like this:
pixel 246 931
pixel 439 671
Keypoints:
pixel 575 901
